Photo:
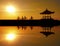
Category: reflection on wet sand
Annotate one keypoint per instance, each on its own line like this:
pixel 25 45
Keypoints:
pixel 27 36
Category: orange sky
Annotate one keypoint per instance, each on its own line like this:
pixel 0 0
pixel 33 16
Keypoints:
pixel 29 8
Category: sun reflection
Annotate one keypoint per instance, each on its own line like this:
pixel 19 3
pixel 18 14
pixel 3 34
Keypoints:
pixel 10 36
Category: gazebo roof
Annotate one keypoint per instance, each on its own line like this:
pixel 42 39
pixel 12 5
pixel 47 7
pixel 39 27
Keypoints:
pixel 47 33
pixel 47 12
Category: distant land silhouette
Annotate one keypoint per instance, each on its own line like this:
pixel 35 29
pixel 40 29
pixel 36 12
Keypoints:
pixel 47 22
pixel 42 22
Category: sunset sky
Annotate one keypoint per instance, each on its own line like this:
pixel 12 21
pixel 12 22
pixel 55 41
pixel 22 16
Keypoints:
pixel 11 36
pixel 29 8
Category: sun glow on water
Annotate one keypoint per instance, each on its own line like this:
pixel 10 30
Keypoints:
pixel 10 36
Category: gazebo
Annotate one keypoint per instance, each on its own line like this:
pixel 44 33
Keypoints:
pixel 47 14
pixel 47 33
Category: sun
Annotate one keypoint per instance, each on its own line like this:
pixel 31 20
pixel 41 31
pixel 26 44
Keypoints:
pixel 10 36
pixel 10 9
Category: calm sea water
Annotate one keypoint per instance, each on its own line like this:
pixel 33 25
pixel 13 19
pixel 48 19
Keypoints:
pixel 28 37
